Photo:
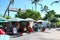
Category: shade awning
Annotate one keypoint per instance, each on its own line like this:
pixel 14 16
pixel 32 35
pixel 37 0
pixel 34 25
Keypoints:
pixel 29 19
pixel 16 19
pixel 2 19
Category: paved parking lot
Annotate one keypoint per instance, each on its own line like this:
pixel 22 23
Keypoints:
pixel 52 34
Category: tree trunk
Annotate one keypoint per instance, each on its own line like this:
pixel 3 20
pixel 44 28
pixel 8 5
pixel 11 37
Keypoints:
pixel 35 6
pixel 32 7
pixel 7 9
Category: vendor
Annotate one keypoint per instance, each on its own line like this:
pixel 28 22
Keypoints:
pixel 7 29
pixel 18 26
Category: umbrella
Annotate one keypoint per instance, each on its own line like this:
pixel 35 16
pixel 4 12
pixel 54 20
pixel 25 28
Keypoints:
pixel 29 19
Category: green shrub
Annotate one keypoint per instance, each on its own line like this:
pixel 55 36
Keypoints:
pixel 7 17
pixel 58 23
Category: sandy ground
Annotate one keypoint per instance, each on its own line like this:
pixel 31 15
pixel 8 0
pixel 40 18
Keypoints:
pixel 53 34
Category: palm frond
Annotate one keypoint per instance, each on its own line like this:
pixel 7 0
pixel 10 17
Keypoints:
pixel 59 0
pixel 30 0
pixel 11 1
pixel 40 4
pixel 54 2
pixel 33 2
pixel 46 7
pixel 42 10
pixel 37 0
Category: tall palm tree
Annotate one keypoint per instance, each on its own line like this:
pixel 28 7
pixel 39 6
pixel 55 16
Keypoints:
pixel 55 2
pixel 11 2
pixel 35 2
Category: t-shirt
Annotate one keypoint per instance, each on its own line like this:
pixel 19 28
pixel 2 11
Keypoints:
pixel 39 26
pixel 25 29
pixel 14 30
pixel 31 24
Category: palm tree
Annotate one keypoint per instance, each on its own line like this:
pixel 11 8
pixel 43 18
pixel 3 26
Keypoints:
pixel 35 2
pixel 55 2
pixel 45 8
pixel 11 2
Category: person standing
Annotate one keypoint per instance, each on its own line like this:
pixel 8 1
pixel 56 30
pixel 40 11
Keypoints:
pixel 21 31
pixel 18 26
pixel 48 25
pixel 25 29
pixel 6 28
pixel 35 27
pixel 14 30
pixel 38 27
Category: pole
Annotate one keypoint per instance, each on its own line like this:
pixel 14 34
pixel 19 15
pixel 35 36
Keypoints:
pixel 8 11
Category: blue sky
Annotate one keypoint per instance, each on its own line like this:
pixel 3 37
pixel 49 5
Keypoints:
pixel 21 4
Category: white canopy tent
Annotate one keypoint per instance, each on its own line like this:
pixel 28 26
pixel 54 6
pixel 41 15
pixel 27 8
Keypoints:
pixel 2 19
pixel 16 19
pixel 29 19
pixel 40 21
pixel 44 22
